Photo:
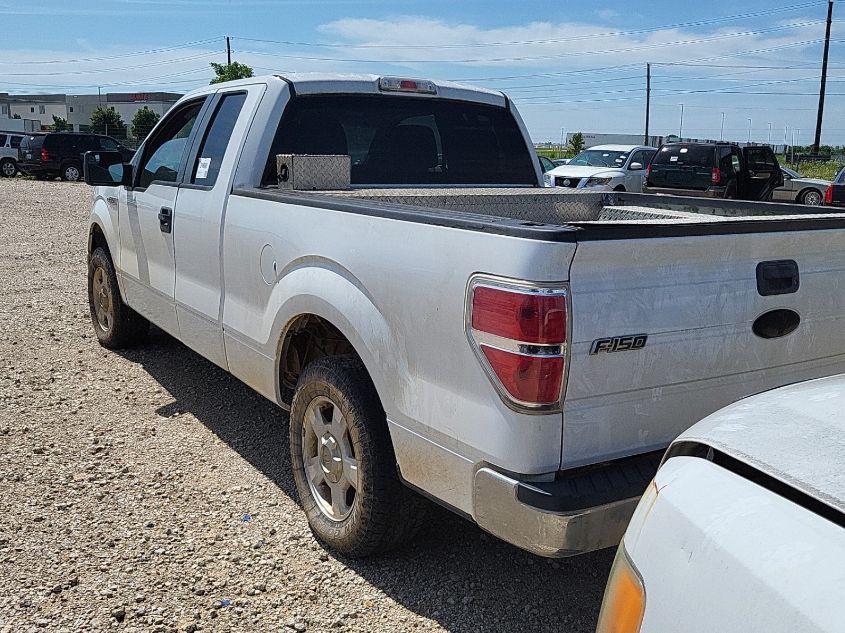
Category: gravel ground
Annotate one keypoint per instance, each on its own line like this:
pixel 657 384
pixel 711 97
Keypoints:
pixel 150 491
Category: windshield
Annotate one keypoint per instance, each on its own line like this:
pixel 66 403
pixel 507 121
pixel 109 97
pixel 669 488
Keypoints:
pixel 600 158
pixel 407 140
pixel 686 155
pixel 791 173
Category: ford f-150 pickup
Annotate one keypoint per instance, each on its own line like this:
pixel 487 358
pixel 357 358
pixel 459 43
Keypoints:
pixel 441 325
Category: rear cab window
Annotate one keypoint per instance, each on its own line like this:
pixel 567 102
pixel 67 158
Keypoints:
pixel 685 156
pixel 407 140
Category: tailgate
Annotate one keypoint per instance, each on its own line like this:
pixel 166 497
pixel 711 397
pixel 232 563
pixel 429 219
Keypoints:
pixel 696 299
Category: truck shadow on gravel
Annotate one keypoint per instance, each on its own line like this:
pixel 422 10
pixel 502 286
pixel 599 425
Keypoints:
pixel 454 573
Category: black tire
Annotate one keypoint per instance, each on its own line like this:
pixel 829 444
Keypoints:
pixel 123 327
pixel 811 197
pixel 730 190
pixel 384 513
pixel 619 188
pixel 40 175
pixel 8 168
pixel 71 171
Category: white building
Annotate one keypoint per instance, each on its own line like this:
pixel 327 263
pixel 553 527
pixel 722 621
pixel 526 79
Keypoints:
pixel 77 109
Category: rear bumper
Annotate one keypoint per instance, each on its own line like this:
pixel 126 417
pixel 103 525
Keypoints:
pixel 581 511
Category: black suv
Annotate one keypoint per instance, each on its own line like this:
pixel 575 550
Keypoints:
pixel 718 170
pixel 60 153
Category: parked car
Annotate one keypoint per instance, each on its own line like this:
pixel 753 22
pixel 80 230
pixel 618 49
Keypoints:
pixel 9 143
pixel 546 164
pixel 60 153
pixel 481 376
pixel 797 188
pixel 617 167
pixel 718 170
pixel 835 193
pixel 743 528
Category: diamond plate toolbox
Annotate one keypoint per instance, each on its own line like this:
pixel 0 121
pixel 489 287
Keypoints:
pixel 309 172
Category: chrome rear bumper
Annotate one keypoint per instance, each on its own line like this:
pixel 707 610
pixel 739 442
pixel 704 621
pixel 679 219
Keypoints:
pixel 550 520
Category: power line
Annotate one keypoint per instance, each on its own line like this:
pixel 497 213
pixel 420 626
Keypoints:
pixel 567 54
pixel 107 70
pixel 578 38
pixel 150 51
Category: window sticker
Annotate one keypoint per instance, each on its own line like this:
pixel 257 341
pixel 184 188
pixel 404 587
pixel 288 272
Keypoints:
pixel 673 159
pixel 684 150
pixel 203 167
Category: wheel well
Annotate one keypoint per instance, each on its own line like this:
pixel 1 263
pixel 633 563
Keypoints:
pixel 619 188
pixel 805 190
pixel 97 239
pixel 307 338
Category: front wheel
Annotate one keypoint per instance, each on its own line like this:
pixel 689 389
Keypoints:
pixel 343 461
pixel 811 197
pixel 8 168
pixel 71 172
pixel 115 323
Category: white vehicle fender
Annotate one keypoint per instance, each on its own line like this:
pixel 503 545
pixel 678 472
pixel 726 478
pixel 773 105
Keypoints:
pixel 327 290
pixel 104 218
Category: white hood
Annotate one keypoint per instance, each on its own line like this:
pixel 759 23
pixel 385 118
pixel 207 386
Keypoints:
pixel 579 171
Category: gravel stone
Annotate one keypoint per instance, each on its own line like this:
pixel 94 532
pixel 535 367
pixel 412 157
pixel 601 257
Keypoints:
pixel 184 453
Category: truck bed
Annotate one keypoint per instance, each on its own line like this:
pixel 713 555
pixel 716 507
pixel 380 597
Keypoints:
pixel 583 214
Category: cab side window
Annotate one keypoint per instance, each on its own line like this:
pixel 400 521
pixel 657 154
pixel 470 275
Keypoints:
pixel 15 141
pixel 216 140
pixel 165 151
pixel 107 143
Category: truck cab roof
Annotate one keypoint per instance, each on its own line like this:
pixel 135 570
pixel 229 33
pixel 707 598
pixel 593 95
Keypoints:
pixel 361 83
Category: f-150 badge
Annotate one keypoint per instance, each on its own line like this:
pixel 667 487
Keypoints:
pixel 619 344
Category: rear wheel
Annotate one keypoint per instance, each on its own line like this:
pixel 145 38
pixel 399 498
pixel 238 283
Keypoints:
pixel 71 172
pixel 343 461
pixel 8 168
pixel 115 323
pixel 811 197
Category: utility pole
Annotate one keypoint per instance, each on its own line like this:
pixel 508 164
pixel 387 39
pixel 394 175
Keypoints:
pixel 647 100
pixel 681 126
pixel 824 77
pixel 722 129
pixel 770 134
pixel 228 52
pixel 749 130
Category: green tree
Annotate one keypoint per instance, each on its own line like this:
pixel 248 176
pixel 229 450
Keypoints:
pixel 576 143
pixel 107 121
pixel 61 125
pixel 143 122
pixel 16 116
pixel 229 72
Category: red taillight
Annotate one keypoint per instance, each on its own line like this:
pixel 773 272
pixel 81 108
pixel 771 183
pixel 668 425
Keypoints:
pixel 530 318
pixel 648 170
pixel 45 155
pixel 527 378
pixel 716 176
pixel 828 194
pixel 521 334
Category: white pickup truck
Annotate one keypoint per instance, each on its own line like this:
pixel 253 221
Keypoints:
pixel 446 325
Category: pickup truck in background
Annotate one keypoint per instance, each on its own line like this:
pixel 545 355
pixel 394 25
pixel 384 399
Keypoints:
pixel 715 170
pixel 445 325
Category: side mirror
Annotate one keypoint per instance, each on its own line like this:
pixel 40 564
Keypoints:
pixel 106 169
pixel 636 166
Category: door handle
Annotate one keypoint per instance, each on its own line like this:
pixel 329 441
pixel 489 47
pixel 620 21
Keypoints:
pixel 165 220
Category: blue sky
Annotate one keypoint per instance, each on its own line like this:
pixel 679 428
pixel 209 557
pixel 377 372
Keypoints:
pixel 569 65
